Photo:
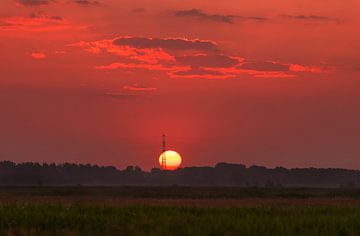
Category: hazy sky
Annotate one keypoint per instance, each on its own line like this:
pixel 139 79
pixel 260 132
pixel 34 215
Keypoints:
pixel 272 83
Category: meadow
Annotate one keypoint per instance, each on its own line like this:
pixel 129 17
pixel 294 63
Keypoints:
pixel 178 211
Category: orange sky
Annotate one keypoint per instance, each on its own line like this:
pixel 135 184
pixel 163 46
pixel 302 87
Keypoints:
pixel 255 82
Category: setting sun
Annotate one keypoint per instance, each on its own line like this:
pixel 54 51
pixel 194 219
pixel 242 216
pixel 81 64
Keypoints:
pixel 172 160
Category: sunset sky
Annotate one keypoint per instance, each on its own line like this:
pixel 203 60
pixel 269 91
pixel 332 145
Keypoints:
pixel 273 83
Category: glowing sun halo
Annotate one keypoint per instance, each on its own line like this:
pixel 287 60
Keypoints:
pixel 172 160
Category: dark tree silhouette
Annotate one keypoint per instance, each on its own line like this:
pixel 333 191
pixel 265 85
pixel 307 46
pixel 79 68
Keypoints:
pixel 223 174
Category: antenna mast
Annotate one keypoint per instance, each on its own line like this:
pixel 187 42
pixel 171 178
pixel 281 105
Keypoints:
pixel 163 155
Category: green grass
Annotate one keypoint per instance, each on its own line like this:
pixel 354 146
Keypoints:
pixel 178 192
pixel 41 211
pixel 77 219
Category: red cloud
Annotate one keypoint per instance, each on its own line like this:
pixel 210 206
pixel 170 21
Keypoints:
pixel 136 87
pixel 149 55
pixel 186 58
pixel 150 50
pixel 38 55
pixel 182 44
pixel 311 69
pixel 34 22
pixel 227 72
pixel 157 67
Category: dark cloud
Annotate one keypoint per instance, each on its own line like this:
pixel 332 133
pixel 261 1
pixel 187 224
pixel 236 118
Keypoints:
pixel 196 71
pixel 6 24
pixel 214 17
pixel 41 15
pixel 34 21
pixel 254 18
pixel 309 17
pixel 166 43
pixel 265 66
pixel 56 18
pixel 34 2
pixel 207 60
pixel 198 13
pixel 86 2
pixel 139 10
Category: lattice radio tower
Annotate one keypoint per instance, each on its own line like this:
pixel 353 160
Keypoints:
pixel 163 155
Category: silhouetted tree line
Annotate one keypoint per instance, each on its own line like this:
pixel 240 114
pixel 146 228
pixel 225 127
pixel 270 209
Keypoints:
pixel 223 174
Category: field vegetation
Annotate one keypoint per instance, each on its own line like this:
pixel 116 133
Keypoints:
pixel 178 211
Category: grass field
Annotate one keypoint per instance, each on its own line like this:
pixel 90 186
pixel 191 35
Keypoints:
pixel 177 192
pixel 191 211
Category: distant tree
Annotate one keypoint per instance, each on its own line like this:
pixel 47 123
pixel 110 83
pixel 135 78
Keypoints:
pixel 223 174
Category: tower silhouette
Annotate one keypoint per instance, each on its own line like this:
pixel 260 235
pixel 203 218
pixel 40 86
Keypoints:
pixel 163 155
